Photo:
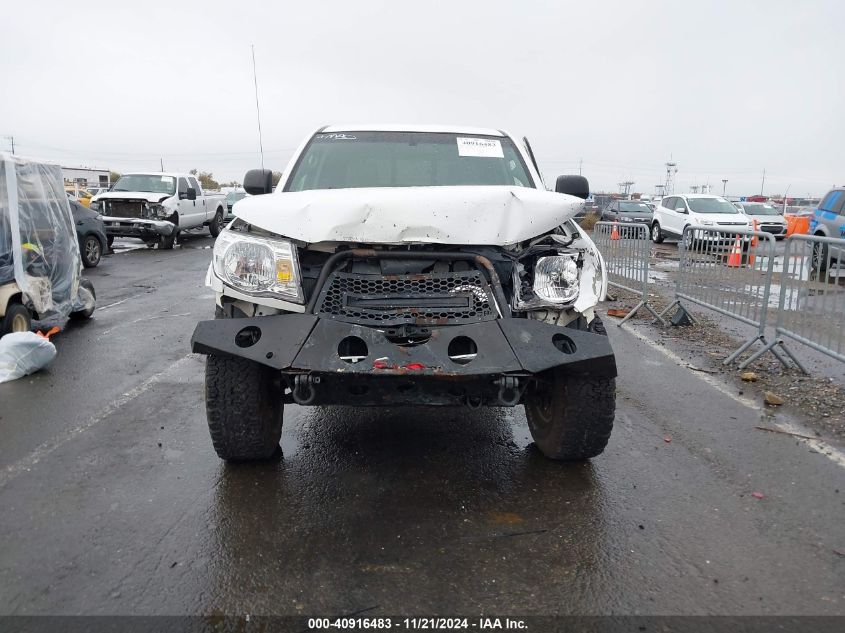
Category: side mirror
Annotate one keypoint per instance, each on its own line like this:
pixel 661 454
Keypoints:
pixel 573 186
pixel 191 193
pixel 258 181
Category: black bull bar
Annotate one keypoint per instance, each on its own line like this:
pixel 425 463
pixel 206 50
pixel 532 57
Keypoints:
pixel 328 361
pixel 506 353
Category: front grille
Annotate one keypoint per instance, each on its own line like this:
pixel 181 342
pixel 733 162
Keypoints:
pixel 772 228
pixel 422 299
pixel 731 223
pixel 124 208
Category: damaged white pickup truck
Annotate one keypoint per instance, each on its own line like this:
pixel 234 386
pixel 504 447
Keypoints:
pixel 156 207
pixel 397 265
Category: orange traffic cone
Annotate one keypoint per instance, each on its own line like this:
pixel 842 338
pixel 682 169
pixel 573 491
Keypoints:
pixel 735 258
pixel 614 234
pixel 753 246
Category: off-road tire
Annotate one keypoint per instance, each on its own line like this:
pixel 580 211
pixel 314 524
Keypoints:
pixel 656 233
pixel 17 319
pixel 216 224
pixel 571 416
pixel 243 404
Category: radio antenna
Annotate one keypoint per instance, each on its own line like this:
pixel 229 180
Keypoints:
pixel 257 111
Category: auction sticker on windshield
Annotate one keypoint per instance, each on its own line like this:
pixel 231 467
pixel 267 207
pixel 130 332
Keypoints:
pixel 481 147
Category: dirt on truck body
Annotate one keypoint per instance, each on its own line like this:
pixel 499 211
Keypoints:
pixel 408 265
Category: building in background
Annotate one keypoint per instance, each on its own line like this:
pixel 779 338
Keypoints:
pixel 86 176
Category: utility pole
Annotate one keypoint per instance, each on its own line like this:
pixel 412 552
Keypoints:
pixel 724 186
pixel 763 184
pixel 161 162
pixel 580 163
pixel 12 141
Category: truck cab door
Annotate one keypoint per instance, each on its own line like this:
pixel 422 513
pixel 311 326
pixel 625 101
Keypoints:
pixel 201 203
pixel 187 208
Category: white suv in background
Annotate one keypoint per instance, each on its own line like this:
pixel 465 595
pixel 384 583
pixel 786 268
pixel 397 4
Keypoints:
pixel 676 212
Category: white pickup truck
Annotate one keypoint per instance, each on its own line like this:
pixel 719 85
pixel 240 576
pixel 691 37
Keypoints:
pixel 156 206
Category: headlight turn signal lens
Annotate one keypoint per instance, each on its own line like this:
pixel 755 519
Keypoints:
pixel 257 265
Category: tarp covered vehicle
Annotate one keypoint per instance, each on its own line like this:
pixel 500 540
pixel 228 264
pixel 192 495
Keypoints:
pixel 398 265
pixel 40 263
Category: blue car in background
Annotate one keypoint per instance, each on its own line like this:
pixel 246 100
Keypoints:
pixel 828 221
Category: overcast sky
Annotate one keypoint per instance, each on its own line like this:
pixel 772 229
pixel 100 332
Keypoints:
pixel 724 88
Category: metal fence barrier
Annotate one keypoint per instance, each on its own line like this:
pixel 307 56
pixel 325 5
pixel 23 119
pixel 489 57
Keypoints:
pixel 811 307
pixel 729 271
pixel 626 249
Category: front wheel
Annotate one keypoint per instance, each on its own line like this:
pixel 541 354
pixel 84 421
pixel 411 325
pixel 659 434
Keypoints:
pixel 819 259
pixel 88 296
pixel 656 234
pixel 243 405
pixel 17 319
pixel 216 224
pixel 571 416
pixel 167 242
pixel 689 240
pixel 92 250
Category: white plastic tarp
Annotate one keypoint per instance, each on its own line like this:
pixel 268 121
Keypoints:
pixel 38 245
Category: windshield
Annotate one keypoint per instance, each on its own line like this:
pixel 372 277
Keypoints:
pixel 407 159
pixel 761 209
pixel 634 207
pixel 711 205
pixel 150 183
pixel 233 196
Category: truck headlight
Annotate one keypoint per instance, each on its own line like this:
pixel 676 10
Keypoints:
pixel 556 279
pixel 157 211
pixel 257 265
pixel 94 205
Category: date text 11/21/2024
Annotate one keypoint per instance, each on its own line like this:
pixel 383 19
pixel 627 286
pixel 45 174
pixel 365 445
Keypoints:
pixel 422 623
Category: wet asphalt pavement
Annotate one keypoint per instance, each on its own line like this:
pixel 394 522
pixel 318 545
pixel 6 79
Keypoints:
pixel 115 503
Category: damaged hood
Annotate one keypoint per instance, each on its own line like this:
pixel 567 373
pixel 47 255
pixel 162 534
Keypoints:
pixel 133 195
pixel 476 215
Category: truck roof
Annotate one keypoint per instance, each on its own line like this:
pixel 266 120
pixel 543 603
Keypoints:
pixel 411 127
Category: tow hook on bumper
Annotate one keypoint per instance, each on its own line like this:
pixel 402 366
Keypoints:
pixel 304 388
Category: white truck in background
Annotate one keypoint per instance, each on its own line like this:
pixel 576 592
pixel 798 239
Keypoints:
pixel 156 206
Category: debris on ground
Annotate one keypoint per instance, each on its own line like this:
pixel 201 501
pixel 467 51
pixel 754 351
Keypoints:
pixel 758 495
pixel 818 401
pixel 749 376
pixel 782 432
pixel 773 399
pixel 619 312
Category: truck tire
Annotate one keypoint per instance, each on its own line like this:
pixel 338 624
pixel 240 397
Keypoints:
pixel 217 223
pixel 17 319
pixel 243 403
pixel 167 242
pixel 571 416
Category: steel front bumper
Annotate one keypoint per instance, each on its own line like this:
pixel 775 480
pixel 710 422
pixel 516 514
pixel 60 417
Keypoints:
pixel 305 348
pixel 137 227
